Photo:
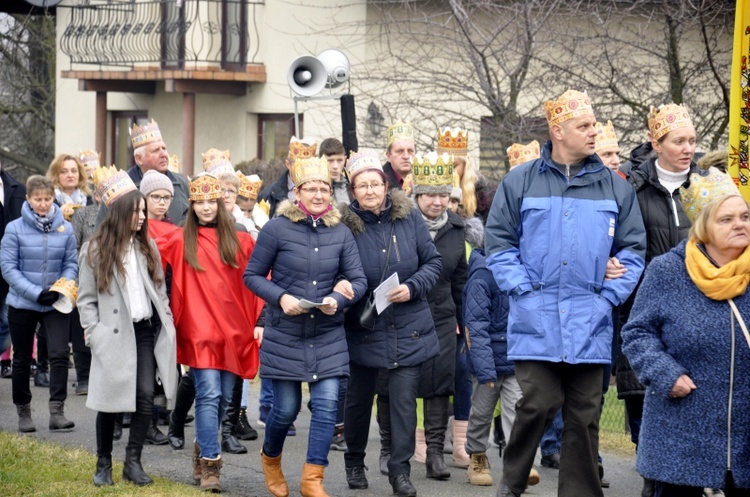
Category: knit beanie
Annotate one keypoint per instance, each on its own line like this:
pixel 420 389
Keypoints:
pixel 154 180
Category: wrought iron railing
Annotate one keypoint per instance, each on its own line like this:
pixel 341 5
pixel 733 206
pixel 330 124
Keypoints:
pixel 175 34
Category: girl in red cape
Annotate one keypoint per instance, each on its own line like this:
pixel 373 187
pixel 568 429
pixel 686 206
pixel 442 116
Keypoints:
pixel 213 313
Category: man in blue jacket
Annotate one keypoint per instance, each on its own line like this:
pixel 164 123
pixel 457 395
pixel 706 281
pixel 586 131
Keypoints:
pixel 554 224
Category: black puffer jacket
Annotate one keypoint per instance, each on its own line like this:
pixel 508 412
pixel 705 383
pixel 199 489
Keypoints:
pixel 666 226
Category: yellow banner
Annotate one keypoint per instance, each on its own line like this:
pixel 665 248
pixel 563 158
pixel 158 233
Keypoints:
pixel 739 106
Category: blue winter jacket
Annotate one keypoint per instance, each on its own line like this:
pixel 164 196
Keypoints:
pixel 674 329
pixel 33 260
pixel 304 259
pixel 404 333
pixel 548 241
pixel 486 322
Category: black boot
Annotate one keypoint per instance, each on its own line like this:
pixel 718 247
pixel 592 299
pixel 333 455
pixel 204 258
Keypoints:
pixel 103 475
pixel 648 488
pixel 229 442
pixel 243 429
pixel 117 434
pixel 154 436
pixel 402 486
pixel 384 425
pixel 178 416
pixel 133 471
pixel 435 421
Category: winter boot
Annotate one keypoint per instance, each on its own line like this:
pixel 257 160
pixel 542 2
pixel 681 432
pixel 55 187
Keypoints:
pixel 178 416
pixel 25 424
pixel 420 447
pixel 435 422
pixel 533 477
pixel 103 475
pixel 197 471
pixel 384 424
pixel 57 420
pixel 211 474
pixel 460 457
pixel 229 442
pixel 275 481
pixel 479 470
pixel 243 429
pixel 311 483
pixel 154 436
pixel 132 471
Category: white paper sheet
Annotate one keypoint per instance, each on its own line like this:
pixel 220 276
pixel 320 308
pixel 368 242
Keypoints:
pixel 382 291
pixel 306 304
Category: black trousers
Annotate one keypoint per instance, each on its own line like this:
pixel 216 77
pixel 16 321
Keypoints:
pixel 23 323
pixel 81 353
pixel 547 386
pixel 145 332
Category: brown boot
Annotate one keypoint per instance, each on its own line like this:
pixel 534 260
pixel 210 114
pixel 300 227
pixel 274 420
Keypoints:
pixel 211 477
pixel 197 470
pixel 311 484
pixel 275 481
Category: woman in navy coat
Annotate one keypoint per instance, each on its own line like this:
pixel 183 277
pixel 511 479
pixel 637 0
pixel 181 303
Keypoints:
pixel 403 338
pixel 306 248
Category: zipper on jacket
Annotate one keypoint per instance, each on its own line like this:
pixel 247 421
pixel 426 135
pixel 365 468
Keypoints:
pixel 731 393
pixel 44 264
pixel 674 210
pixel 395 245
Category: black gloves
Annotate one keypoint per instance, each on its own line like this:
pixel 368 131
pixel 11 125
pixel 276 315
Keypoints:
pixel 48 297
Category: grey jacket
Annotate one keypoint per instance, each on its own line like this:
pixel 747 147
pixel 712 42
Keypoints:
pixel 108 329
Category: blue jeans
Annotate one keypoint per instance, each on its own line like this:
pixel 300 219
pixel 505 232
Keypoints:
pixel 287 395
pixel 213 392
pixel 4 327
pixel 552 438
pixel 464 385
pixel 266 393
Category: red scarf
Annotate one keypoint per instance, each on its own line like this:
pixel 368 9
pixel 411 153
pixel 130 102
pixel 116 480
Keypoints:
pixel 313 216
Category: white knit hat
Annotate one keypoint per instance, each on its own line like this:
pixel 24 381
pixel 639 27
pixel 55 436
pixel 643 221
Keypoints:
pixel 154 180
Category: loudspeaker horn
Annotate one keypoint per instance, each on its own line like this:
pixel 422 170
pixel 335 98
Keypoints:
pixel 307 76
pixel 336 65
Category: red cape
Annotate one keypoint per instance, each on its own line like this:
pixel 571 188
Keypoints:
pixel 214 312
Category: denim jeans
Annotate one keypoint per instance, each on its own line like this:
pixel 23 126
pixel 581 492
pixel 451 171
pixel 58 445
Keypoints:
pixel 4 327
pixel 266 393
pixel 213 392
pixel 552 438
pixel 23 322
pixel 287 395
pixel 462 397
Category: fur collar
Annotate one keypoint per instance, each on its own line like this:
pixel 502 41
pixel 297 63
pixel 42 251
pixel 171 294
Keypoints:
pixel 401 206
pixel 290 210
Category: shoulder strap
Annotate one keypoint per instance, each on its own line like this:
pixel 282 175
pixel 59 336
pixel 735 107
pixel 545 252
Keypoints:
pixel 740 320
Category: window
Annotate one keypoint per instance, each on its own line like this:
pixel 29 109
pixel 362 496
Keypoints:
pixel 274 133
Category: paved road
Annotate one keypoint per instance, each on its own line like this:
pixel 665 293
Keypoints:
pixel 243 476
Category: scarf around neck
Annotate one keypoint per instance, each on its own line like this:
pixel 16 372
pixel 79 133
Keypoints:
pixel 44 223
pixel 434 225
pixel 717 283
pixel 77 197
pixel 315 217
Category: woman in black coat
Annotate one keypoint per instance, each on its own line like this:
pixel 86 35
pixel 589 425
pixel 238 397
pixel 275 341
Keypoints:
pixel 437 380
pixel 392 238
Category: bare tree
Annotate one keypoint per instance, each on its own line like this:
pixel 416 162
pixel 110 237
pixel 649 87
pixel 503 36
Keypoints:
pixel 27 92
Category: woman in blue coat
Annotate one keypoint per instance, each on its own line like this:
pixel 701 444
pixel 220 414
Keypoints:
pixel 38 249
pixel 686 342
pixel 306 248
pixel 392 238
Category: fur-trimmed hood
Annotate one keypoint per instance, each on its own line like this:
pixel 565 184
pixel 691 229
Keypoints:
pixel 399 209
pixel 291 211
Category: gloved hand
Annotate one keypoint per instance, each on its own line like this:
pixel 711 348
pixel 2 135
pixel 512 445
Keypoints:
pixel 48 297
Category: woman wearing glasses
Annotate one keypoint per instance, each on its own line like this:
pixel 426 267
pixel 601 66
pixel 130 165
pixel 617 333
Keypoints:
pixel 158 190
pixel 392 238
pixel 305 249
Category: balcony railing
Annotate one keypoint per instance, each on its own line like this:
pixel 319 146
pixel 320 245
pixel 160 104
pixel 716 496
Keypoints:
pixel 166 33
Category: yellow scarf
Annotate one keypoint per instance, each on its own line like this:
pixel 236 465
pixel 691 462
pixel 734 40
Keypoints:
pixel 717 283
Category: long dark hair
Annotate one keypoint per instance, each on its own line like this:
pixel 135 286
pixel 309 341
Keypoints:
pixel 108 247
pixel 229 245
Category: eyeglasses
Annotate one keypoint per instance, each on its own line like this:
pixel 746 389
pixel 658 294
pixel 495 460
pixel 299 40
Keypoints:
pixel 159 198
pixel 364 186
pixel 228 191
pixel 315 191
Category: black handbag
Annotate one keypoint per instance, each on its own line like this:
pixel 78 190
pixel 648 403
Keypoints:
pixel 369 310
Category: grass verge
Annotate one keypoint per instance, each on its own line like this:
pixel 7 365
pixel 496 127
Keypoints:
pixel 29 467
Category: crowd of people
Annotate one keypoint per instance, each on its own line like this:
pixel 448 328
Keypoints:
pixel 417 288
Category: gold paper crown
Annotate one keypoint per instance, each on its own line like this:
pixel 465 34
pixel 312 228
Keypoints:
pixel 112 183
pixel 143 135
pixel 453 141
pixel 302 149
pixel 265 206
pixel 366 160
pixel 312 169
pixel 571 104
pixel 249 185
pixel 667 118
pixel 432 173
pixel 399 131
pixel 705 189
pixel 605 137
pixel 217 162
pixel 519 153
pixel 66 287
pixel 174 164
pixel 89 158
pixel 205 186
